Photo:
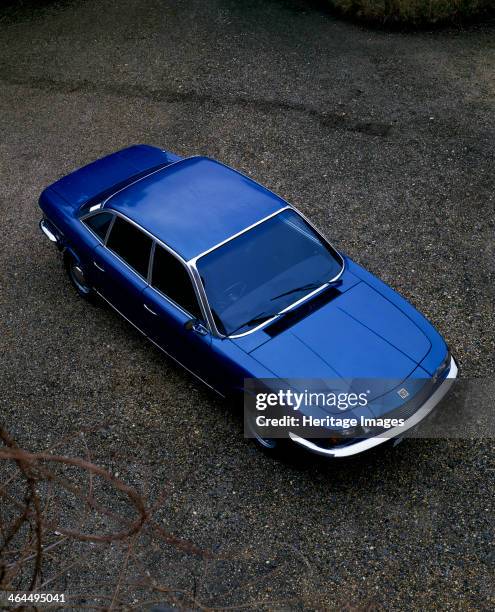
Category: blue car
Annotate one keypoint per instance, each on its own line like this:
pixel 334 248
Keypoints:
pixel 234 283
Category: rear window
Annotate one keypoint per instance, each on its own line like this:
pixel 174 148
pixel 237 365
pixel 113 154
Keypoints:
pixel 99 223
pixel 131 244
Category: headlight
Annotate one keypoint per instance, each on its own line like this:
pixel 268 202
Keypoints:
pixel 442 367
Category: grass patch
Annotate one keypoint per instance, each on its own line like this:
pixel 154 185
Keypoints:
pixel 414 12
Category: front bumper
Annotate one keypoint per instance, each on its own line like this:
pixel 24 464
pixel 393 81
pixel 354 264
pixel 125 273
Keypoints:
pixel 48 231
pixel 364 445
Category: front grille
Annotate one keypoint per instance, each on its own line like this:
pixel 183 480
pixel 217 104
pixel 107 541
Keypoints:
pixel 407 410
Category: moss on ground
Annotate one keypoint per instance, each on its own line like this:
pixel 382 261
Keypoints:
pixel 414 12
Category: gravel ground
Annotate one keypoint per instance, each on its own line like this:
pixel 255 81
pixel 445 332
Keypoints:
pixel 385 140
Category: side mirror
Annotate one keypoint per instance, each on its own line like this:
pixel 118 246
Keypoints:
pixel 195 326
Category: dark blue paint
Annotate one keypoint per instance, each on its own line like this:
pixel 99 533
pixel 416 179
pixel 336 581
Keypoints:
pixel 367 330
pixel 195 204
pixel 166 328
pixel 125 289
pixel 94 179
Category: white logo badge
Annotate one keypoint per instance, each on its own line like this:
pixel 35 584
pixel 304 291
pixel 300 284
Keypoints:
pixel 403 392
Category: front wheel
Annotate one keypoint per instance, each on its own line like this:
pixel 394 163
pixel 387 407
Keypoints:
pixel 77 277
pixel 272 446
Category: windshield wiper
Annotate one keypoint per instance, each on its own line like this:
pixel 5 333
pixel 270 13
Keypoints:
pixel 265 315
pixel 301 288
pixel 259 318
pixel 306 288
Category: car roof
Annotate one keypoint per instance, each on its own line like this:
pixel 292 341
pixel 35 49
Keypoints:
pixel 194 204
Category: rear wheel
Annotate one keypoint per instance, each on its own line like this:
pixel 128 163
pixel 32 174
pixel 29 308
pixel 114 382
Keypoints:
pixel 77 277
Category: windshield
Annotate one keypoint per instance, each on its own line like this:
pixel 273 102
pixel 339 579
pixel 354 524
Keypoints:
pixel 256 275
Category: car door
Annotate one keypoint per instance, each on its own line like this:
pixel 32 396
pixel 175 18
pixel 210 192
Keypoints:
pixel 121 267
pixel 174 317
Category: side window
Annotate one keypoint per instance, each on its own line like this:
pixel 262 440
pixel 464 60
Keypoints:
pixel 99 223
pixel 171 278
pixel 131 244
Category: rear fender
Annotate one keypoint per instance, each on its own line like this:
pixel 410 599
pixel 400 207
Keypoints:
pixel 99 179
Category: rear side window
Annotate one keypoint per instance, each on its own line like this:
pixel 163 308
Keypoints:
pixel 131 244
pixel 171 278
pixel 99 223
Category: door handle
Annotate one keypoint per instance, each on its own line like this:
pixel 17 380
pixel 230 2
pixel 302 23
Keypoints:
pixel 149 310
pixel 99 267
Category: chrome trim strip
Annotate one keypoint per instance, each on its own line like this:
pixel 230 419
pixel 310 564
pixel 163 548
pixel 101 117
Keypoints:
pixel 109 228
pixel 93 214
pixel 203 301
pixel 363 445
pixel 246 229
pixel 158 346
pixel 49 234
pixel 150 261
pixel 149 309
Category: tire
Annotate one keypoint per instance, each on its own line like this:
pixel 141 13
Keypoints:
pixel 76 276
pixel 277 447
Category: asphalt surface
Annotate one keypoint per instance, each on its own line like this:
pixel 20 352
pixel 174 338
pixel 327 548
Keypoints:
pixel 384 140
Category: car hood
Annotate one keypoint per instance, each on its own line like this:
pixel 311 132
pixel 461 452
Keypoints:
pixel 359 334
